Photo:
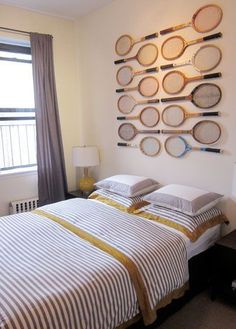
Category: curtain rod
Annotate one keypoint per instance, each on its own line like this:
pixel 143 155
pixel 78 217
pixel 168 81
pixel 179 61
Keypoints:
pixel 13 30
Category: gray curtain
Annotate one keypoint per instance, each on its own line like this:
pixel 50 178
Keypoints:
pixel 52 186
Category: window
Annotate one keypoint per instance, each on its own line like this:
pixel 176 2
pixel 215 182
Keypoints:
pixel 17 109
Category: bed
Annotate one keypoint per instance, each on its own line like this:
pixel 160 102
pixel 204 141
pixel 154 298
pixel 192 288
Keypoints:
pixel 85 264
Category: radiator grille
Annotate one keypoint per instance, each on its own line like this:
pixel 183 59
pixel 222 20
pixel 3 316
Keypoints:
pixel 16 207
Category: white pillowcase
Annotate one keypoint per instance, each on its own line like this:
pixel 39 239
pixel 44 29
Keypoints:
pixel 128 185
pixel 189 200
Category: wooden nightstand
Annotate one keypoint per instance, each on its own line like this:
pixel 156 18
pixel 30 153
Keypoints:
pixel 77 194
pixel 224 267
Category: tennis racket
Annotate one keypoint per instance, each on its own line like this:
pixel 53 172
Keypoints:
pixel 175 81
pixel 175 115
pixel 205 59
pixel 125 43
pixel 149 117
pixel 177 147
pixel 205 19
pixel 205 132
pixel 205 96
pixel 127 131
pixel 127 103
pixel 147 87
pixel 146 56
pixel 149 146
pixel 174 47
pixel 126 74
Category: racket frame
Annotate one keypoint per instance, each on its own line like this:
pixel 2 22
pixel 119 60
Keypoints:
pixel 133 42
pixel 139 116
pixel 136 131
pixel 133 73
pixel 138 87
pixel 140 145
pixel 149 101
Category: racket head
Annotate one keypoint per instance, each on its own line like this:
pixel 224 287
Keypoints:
pixel 127 131
pixel 173 47
pixel 148 86
pixel 125 75
pixel 147 54
pixel 126 104
pixel 207 58
pixel 150 146
pixel 207 18
pixel 174 82
pixel 173 115
pixel 149 116
pixel 206 132
pixel 206 95
pixel 124 44
pixel 176 146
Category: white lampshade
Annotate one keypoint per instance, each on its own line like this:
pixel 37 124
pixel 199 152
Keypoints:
pixel 85 156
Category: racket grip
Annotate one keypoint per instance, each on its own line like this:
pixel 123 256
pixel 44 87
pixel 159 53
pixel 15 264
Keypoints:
pixel 121 118
pixel 153 69
pixel 210 114
pixel 122 144
pixel 167 66
pixel 121 90
pixel 209 149
pixel 212 36
pixel 151 36
pixel 170 99
pixel 165 31
pixel 212 75
pixel 152 101
pixel 119 61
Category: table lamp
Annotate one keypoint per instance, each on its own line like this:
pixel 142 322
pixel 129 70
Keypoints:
pixel 85 157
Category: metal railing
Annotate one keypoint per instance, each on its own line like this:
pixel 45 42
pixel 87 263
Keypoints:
pixel 17 144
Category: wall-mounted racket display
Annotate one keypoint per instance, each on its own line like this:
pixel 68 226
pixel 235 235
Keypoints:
pixel 149 117
pixel 149 146
pixel 175 81
pixel 146 55
pixel 204 132
pixel 175 46
pixel 177 147
pixel 125 74
pixel 175 115
pixel 127 131
pixel 205 96
pixel 125 43
pixel 205 59
pixel 127 103
pixel 205 19
pixel 147 87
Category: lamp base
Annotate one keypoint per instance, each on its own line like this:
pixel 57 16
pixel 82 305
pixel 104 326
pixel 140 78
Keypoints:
pixel 86 184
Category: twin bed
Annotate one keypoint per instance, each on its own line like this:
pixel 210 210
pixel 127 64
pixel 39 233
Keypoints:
pixel 94 264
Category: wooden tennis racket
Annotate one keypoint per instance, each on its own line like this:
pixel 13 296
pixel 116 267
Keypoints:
pixel 125 43
pixel 175 46
pixel 175 81
pixel 205 96
pixel 205 19
pixel 127 131
pixel 127 103
pixel 126 74
pixel 146 56
pixel 147 87
pixel 149 117
pixel 149 146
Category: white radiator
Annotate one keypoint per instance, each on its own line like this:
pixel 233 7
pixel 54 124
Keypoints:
pixel 16 207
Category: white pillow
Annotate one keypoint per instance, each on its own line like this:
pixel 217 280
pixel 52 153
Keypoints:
pixel 189 200
pixel 128 185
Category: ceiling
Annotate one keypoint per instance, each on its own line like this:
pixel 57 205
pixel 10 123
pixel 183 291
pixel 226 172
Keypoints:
pixel 63 8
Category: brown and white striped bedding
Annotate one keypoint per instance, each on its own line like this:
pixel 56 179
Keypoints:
pixel 50 278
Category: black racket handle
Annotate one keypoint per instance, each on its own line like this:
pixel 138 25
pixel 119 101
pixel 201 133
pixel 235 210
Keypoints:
pixel 153 69
pixel 212 36
pixel 119 61
pixel 170 99
pixel 122 144
pixel 209 149
pixel 121 118
pixel 167 66
pixel 151 36
pixel 210 114
pixel 121 90
pixel 212 75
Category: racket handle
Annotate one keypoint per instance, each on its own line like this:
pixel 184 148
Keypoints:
pixel 119 61
pixel 121 118
pixel 209 149
pixel 212 36
pixel 121 90
pixel 151 36
pixel 172 131
pixel 153 69
pixel 152 101
pixel 167 66
pixel 210 114
pixel 123 144
pixel 171 99
pixel 150 131
pixel 174 28
pixel 212 75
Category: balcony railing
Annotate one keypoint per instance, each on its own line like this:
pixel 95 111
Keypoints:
pixel 17 144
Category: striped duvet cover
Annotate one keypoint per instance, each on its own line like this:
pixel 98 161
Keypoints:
pixel 51 278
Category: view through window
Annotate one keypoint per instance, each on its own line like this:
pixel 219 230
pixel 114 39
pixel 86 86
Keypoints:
pixel 17 109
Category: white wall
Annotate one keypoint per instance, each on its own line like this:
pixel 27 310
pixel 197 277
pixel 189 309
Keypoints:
pixel 21 186
pixel 97 34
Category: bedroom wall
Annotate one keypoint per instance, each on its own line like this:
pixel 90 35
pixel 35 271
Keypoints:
pixel 96 36
pixel 20 186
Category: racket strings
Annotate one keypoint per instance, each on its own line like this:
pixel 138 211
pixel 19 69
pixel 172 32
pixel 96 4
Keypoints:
pixel 123 45
pixel 126 104
pixel 150 146
pixel 147 54
pixel 125 75
pixel 173 116
pixel 207 18
pixel 173 82
pixel 207 132
pixel 175 146
pixel 172 47
pixel 207 58
pixel 127 131
pixel 207 95
pixel 149 117
pixel 149 86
